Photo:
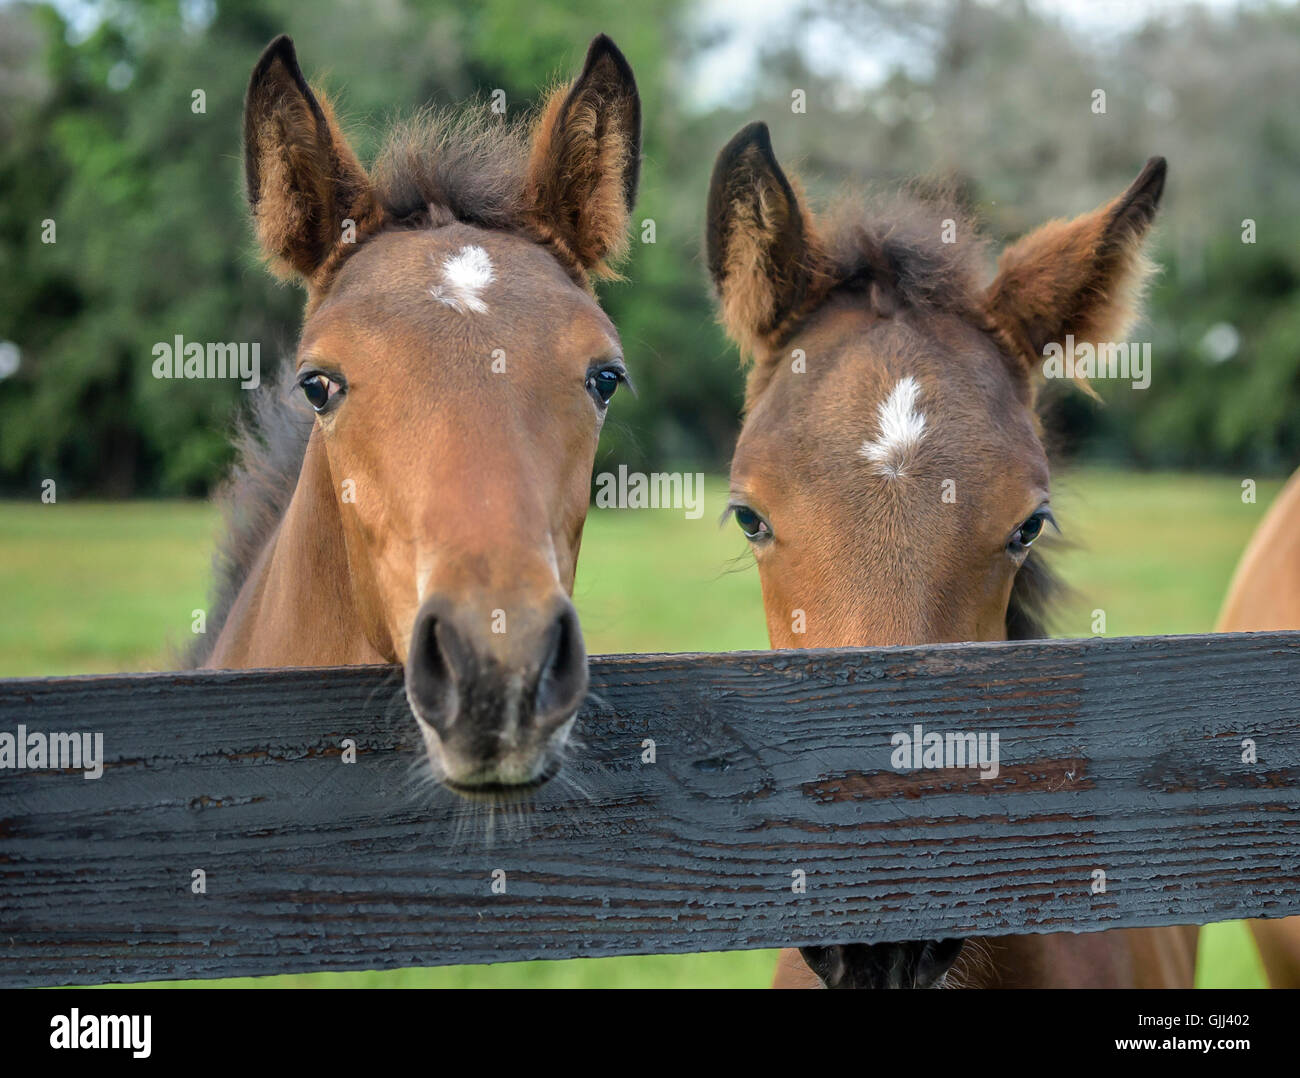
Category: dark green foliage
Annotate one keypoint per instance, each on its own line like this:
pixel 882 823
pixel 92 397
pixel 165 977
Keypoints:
pixel 97 133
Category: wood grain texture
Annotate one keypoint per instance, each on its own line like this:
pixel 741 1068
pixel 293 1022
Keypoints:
pixel 1121 755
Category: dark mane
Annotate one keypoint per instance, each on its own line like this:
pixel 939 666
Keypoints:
pixel 270 442
pixel 1035 595
pixel 441 166
pixel 437 167
pixel 888 250
pixel 892 248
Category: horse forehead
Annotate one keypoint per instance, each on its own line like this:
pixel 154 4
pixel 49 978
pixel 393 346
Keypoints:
pixel 458 266
pixel 467 269
pixel 890 406
pixel 461 280
pixel 457 291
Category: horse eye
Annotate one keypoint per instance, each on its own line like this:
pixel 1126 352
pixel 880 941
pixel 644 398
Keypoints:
pixel 318 389
pixel 754 526
pixel 602 383
pixel 1030 530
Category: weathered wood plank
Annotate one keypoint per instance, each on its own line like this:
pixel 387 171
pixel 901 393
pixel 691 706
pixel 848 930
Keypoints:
pixel 1123 756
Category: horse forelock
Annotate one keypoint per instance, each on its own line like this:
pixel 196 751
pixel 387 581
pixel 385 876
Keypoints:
pixel 466 165
pixel 918 246
pixel 470 166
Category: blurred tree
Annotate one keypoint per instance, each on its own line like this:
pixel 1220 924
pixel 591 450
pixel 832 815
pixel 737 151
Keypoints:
pixel 103 137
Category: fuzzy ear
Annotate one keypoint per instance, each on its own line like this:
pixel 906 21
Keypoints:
pixel 586 160
pixel 1083 277
pixel 762 251
pixel 303 179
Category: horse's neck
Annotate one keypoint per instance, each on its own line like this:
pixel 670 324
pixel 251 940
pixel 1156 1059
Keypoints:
pixel 298 606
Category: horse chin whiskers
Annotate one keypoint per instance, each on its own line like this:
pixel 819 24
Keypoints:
pixel 477 819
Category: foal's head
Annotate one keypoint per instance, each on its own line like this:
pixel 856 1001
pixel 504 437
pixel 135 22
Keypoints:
pixel 460 370
pixel 890 474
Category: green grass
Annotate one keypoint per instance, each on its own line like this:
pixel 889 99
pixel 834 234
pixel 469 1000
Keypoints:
pixel 1155 552
pixel 90 588
pixel 732 969
pixel 100 588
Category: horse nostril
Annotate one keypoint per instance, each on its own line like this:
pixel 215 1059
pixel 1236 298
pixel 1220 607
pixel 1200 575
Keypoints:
pixel 467 687
pixel 562 681
pixel 430 677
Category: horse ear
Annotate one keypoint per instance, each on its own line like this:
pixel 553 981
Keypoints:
pixel 586 160
pixel 760 243
pixel 303 179
pixel 1083 278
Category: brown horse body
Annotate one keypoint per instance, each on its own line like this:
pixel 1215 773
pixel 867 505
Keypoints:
pixel 890 474
pixel 1265 596
pixel 420 497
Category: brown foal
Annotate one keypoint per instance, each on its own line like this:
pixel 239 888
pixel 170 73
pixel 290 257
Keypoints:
pixel 890 475
pixel 420 498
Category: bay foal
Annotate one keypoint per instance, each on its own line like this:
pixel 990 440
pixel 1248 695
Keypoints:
pixel 420 499
pixel 890 475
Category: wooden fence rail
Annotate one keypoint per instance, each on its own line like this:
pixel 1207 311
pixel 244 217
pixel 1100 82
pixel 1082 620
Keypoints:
pixel 1169 764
